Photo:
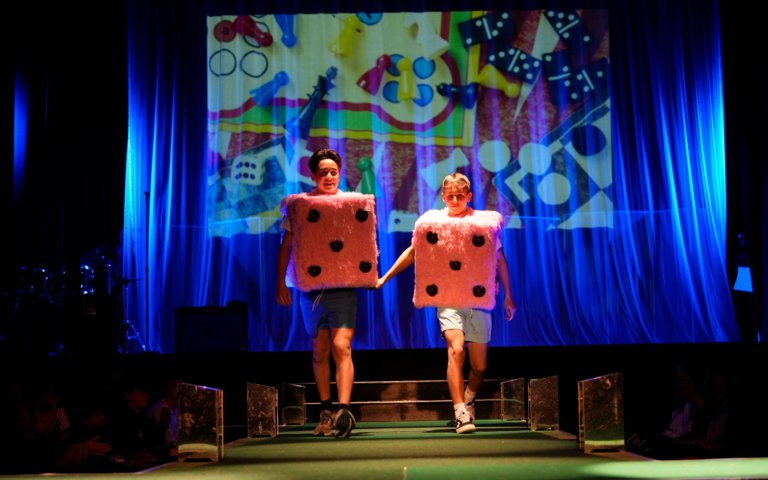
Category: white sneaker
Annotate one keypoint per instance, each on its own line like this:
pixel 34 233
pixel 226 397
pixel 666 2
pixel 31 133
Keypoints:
pixel 471 410
pixel 464 422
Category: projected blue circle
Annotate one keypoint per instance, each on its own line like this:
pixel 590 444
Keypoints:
pixel 588 139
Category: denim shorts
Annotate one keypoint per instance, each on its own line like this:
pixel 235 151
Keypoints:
pixel 326 309
pixel 475 323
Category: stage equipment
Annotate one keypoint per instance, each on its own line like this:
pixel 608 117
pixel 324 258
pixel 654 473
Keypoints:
pixel 543 404
pixel 601 413
pixel 294 404
pixel 513 399
pixel 201 423
pixel 262 410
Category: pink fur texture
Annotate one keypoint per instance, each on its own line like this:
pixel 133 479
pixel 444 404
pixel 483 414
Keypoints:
pixel 439 240
pixel 334 240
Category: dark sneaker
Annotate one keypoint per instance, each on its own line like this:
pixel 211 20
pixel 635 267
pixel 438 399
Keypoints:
pixel 464 423
pixel 325 426
pixel 344 423
pixel 471 410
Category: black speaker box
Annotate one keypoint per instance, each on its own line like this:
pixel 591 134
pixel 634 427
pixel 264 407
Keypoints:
pixel 211 329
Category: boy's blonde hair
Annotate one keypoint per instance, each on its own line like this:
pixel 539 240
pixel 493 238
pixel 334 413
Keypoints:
pixel 456 180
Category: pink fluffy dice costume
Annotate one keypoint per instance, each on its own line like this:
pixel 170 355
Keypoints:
pixel 455 259
pixel 334 240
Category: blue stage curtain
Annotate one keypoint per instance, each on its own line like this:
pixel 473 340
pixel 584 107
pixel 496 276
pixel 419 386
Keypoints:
pixel 649 267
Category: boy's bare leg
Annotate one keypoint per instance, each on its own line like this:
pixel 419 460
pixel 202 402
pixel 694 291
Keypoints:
pixel 321 349
pixel 454 339
pixel 478 359
pixel 344 421
pixel 345 369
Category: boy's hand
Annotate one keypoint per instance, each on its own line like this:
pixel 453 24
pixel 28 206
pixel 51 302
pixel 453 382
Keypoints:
pixel 509 307
pixel 284 296
pixel 380 282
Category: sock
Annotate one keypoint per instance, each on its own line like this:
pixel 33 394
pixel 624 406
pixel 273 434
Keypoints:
pixel 469 395
pixel 326 405
pixel 343 406
pixel 458 408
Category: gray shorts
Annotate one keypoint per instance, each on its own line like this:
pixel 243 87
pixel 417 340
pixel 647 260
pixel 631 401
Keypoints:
pixel 325 309
pixel 475 323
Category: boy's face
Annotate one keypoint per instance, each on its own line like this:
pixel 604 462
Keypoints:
pixel 456 200
pixel 327 176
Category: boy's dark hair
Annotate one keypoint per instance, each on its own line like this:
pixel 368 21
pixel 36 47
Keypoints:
pixel 322 154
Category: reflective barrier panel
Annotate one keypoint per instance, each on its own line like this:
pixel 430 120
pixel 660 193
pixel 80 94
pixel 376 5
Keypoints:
pixel 543 404
pixel 601 413
pixel 201 423
pixel 262 410
pixel 294 404
pixel 513 399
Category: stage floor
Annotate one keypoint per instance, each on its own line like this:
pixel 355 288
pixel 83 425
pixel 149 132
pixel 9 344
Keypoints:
pixel 431 450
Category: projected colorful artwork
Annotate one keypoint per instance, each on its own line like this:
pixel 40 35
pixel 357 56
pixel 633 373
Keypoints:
pixel 517 100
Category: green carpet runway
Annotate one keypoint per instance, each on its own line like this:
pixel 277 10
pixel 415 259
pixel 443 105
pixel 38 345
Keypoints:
pixel 431 450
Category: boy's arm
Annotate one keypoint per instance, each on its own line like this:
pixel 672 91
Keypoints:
pixel 403 261
pixel 283 256
pixel 502 271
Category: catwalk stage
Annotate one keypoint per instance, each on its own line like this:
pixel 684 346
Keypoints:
pixel 431 450
pixel 405 448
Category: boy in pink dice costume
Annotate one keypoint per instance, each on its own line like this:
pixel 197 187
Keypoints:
pixel 327 250
pixel 458 257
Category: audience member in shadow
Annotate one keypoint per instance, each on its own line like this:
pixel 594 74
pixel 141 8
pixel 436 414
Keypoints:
pixel 165 413
pixel 721 436
pixel 713 418
pixel 17 423
pixel 736 419
pixel 85 449
pixel 136 440
pixel 40 425
pixel 688 420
